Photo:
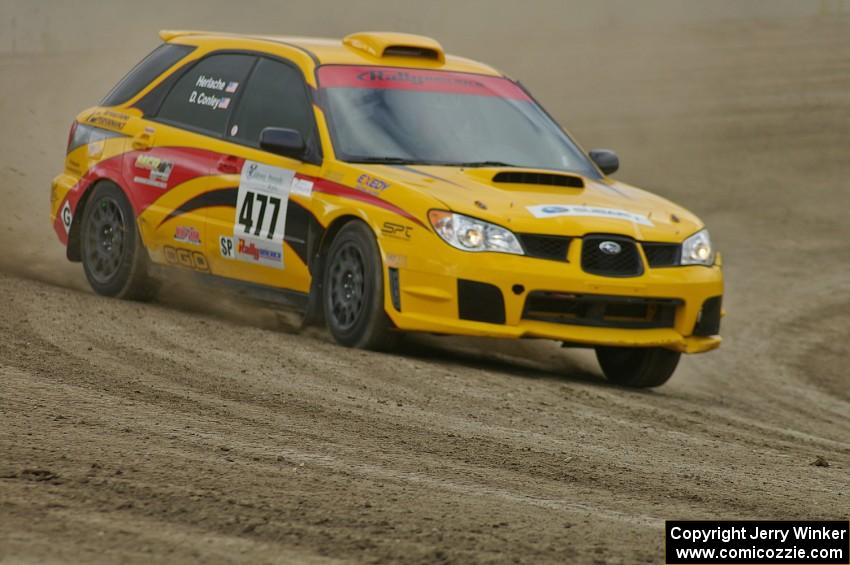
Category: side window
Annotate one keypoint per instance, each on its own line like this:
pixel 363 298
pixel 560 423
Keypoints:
pixel 203 98
pixel 156 63
pixel 274 97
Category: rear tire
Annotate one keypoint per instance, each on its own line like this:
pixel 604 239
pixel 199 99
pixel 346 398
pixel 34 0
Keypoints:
pixel 114 259
pixel 637 367
pixel 353 291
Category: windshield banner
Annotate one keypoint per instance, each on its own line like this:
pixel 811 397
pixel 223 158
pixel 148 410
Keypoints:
pixel 345 76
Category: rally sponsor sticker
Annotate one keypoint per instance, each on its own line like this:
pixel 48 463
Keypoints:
pixel 158 171
pixel 268 254
pixel 187 234
pixel 561 210
pixel 302 187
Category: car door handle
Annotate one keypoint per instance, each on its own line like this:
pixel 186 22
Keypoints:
pixel 228 164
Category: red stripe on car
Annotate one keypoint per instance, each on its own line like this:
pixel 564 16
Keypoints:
pixel 329 187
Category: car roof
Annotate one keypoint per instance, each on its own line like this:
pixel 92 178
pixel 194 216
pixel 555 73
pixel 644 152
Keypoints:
pixel 362 48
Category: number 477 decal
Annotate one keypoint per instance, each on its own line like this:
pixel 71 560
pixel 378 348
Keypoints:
pixel 270 204
pixel 262 201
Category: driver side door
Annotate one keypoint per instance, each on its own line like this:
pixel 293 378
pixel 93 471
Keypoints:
pixel 263 238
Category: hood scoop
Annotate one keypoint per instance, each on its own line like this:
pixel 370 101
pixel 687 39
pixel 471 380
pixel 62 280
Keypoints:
pixel 545 179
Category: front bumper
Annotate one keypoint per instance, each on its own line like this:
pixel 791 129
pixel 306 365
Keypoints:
pixel 427 298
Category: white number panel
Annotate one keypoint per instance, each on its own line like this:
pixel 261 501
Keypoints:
pixel 260 221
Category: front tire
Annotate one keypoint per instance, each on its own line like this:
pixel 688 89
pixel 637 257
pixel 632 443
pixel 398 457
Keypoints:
pixel 637 367
pixel 114 259
pixel 353 291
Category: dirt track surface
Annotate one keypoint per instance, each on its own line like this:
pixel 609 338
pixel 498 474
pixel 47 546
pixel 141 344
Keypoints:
pixel 191 431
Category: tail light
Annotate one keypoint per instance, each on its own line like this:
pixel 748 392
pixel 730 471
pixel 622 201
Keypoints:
pixel 71 136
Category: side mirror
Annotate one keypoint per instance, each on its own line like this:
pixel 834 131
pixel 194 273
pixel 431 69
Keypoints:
pixel 284 142
pixel 606 160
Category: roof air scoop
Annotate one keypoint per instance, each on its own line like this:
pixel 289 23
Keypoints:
pixel 385 44
pixel 532 177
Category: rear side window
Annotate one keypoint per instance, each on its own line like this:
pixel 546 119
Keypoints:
pixel 156 63
pixel 203 98
pixel 275 96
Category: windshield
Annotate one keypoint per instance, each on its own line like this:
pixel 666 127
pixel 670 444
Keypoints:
pixel 414 116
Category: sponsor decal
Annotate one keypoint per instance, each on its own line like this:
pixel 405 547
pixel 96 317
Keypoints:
pixel 397 261
pixel 260 221
pixel 95 149
pixel 422 80
pixel 225 247
pixel 185 258
pixel 371 184
pixel 108 118
pixel 209 100
pixel 160 171
pixel 301 187
pixel 397 231
pixel 187 234
pixel 558 210
pixel 67 216
pixel 254 251
pixel 380 75
pixel 210 83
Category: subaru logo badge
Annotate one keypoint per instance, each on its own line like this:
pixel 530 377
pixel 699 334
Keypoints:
pixel 610 247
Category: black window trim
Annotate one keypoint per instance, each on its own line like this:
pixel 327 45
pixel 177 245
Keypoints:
pixel 314 154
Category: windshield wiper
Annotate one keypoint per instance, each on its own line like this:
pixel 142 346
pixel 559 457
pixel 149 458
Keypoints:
pixel 405 161
pixel 385 160
pixel 472 164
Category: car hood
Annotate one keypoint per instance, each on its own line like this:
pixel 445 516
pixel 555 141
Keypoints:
pixel 516 199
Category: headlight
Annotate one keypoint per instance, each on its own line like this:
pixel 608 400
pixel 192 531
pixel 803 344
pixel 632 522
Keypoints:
pixel 697 250
pixel 470 234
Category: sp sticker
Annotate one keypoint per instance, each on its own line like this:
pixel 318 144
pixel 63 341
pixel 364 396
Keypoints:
pixel 225 246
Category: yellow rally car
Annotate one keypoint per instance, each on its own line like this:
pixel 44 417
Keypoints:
pixel 387 187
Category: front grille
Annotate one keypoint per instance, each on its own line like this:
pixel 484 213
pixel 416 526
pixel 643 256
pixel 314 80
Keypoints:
pixel 480 302
pixel 551 247
pixel 625 263
pixel 623 312
pixel 662 254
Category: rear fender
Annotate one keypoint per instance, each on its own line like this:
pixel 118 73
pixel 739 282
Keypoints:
pixel 74 248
